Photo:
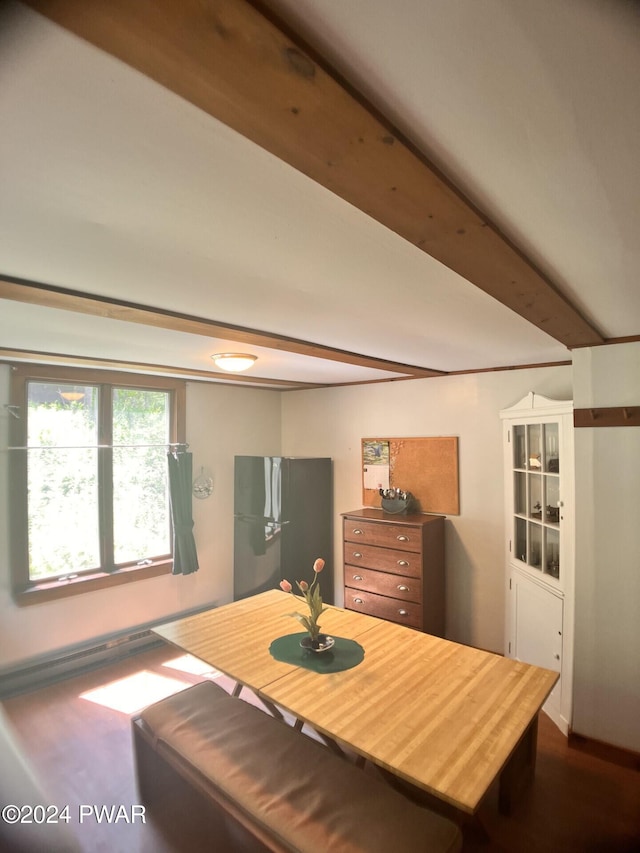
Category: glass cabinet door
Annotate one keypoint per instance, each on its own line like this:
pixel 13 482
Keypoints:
pixel 536 496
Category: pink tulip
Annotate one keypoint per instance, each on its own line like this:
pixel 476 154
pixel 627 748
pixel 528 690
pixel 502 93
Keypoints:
pixel 318 566
pixel 304 586
pixel 285 585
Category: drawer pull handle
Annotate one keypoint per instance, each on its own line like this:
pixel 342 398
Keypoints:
pixel 402 563
pixel 403 612
pixel 402 587
pixel 357 531
pixel 357 577
pixel 358 601
pixel 357 554
pixel 402 538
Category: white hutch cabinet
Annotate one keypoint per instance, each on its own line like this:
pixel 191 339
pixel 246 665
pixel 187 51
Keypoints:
pixel 540 541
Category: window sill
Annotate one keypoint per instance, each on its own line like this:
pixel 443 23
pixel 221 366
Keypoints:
pixel 37 593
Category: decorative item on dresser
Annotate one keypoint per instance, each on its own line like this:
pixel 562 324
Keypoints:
pixel 394 567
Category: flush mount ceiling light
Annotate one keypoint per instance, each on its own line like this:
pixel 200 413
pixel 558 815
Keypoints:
pixel 71 396
pixel 233 361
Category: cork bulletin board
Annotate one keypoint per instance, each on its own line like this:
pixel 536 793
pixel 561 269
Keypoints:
pixel 426 467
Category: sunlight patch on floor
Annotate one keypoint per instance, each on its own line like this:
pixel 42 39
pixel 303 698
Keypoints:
pixel 192 665
pixel 134 692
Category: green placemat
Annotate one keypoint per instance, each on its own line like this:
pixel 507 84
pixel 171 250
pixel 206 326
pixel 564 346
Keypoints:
pixel 345 654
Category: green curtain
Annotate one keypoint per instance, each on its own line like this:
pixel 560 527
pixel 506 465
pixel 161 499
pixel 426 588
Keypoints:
pixel 185 557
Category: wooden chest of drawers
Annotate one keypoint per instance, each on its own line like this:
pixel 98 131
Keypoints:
pixel 394 567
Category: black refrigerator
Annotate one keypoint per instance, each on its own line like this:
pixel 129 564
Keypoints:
pixel 282 523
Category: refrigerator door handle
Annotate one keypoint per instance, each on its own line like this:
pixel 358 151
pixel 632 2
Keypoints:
pixel 267 487
pixel 277 489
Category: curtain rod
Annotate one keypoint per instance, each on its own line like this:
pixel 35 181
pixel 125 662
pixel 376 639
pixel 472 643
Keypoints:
pixel 167 444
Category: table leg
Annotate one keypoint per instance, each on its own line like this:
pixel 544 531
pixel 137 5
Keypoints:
pixel 271 708
pixel 326 740
pixel 519 769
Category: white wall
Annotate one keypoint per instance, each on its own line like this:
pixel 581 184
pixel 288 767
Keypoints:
pixel 607 632
pixel 221 422
pixel 332 422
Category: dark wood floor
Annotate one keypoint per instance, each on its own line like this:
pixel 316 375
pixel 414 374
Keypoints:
pixel 81 751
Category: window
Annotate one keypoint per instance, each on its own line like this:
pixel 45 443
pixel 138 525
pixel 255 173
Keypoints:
pixel 89 478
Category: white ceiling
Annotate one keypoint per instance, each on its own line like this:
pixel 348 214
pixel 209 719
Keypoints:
pixel 114 186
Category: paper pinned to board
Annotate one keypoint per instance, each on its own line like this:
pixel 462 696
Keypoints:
pixel 375 457
pixel 376 477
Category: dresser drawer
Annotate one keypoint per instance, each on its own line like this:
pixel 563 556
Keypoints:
pixel 395 586
pixel 383 559
pixel 399 536
pixel 404 612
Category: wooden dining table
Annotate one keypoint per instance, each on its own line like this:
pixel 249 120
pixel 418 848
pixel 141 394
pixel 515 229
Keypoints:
pixel 446 718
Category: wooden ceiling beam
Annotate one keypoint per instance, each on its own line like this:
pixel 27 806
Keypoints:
pixel 130 312
pixel 229 60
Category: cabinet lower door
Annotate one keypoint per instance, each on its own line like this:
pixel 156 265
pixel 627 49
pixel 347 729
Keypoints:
pixel 536 632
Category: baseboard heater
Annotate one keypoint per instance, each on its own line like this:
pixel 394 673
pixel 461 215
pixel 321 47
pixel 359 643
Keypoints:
pixel 74 661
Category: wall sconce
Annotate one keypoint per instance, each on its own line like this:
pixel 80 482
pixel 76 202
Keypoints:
pixel 233 361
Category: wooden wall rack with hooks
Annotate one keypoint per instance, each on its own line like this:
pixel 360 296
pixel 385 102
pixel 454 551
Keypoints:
pixel 611 416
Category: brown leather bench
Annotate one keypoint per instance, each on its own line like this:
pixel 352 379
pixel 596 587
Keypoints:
pixel 269 787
